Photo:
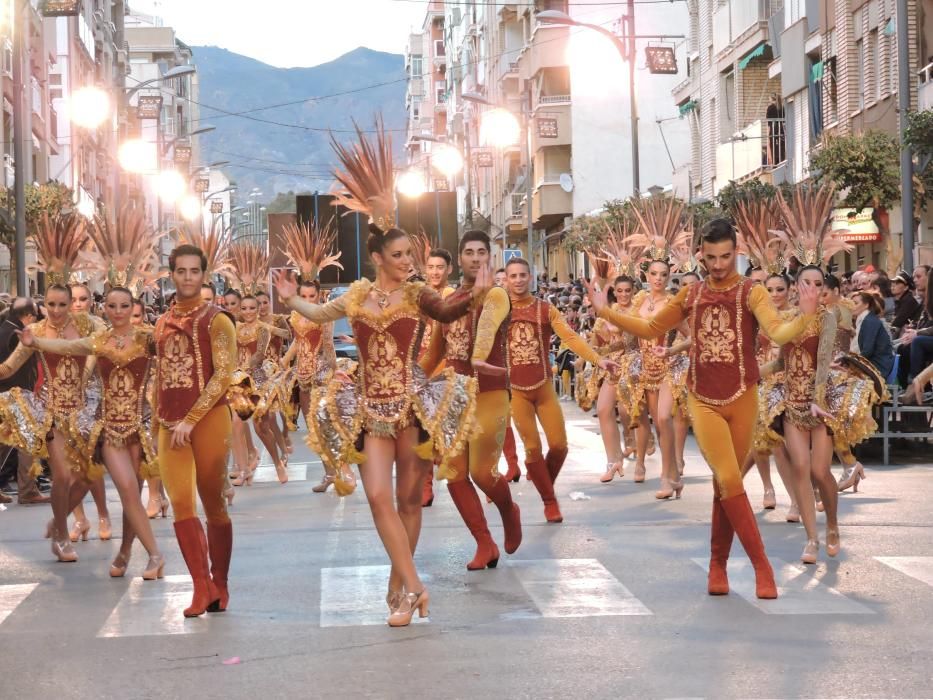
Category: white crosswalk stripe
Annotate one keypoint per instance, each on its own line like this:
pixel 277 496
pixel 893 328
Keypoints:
pixel 920 568
pixel 154 608
pixel 800 592
pixel 11 596
pixel 575 588
pixel 265 473
pixel 350 596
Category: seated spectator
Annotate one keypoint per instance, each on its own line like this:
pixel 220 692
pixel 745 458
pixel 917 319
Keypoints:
pixel 921 274
pixel 917 342
pixel 871 339
pixel 881 287
pixel 906 308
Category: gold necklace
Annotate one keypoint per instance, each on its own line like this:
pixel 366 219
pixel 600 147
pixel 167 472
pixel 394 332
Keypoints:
pixel 383 301
pixel 59 329
pixel 120 341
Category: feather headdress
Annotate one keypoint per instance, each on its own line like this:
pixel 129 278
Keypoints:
pixel 367 176
pixel 121 248
pixel 757 221
pixel 250 267
pixel 215 244
pixel 622 253
pixel 808 224
pixel 60 239
pixel 661 227
pixel 310 247
pixel 421 247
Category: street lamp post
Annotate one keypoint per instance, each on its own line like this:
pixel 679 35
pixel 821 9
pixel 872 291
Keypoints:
pixel 19 157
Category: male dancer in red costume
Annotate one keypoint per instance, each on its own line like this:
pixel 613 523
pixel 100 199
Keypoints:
pixel 195 360
pixel 724 312
pixel 475 346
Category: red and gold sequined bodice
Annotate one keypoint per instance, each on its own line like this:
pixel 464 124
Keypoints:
pixel 653 367
pixel 460 337
pixel 309 337
pixel 529 338
pixel 248 338
pixel 387 348
pixel 124 374
pixel 64 374
pixel 800 364
pixel 722 358
pixel 185 360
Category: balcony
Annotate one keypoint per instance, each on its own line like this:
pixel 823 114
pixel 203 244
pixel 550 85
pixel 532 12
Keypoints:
pixel 925 87
pixel 550 204
pixel 755 151
pixel 548 49
pixel 738 20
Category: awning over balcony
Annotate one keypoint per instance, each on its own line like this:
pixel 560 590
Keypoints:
pixel 753 54
pixel 687 107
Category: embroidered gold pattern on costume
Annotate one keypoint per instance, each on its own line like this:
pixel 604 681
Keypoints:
pixel 715 337
pixel 524 348
pixel 176 364
pixel 385 375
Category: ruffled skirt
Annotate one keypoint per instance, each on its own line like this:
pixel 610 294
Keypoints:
pixel 262 390
pixel 634 384
pixel 443 407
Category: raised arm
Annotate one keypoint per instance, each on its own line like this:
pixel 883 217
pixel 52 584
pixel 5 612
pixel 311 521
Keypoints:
pixel 319 313
pixel 447 310
pixel 496 308
pixel 276 331
pixel 769 318
pixel 62 346
pixel 569 338
pixel 223 353
pixel 15 361
pixel 664 321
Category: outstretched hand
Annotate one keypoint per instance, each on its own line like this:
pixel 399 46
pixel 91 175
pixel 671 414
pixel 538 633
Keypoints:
pixel 285 284
pixel 609 365
pixel 597 296
pixel 818 412
pixel 26 337
pixel 483 282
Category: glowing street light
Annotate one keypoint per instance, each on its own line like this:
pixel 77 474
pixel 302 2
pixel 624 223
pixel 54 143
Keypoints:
pixel 447 159
pixel 190 207
pixel 138 156
pixel 89 107
pixel 171 185
pixel 499 128
pixel 411 184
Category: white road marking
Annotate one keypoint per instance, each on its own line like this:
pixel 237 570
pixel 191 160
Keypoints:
pixel 575 588
pixel 799 591
pixel 11 596
pixel 920 568
pixel 154 608
pixel 265 473
pixel 354 596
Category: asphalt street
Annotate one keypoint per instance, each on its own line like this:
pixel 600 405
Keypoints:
pixel 611 603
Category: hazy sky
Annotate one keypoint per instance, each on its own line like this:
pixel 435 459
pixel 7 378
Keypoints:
pixel 290 33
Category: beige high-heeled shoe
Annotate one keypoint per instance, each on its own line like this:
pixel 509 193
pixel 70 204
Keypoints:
pixel 63 550
pixel 818 500
pixel 640 472
pixel 769 502
pixel 851 476
pixel 154 569
pixel 153 506
pixel 810 552
pixel 793 514
pixel 119 565
pixel 408 604
pixel 833 545
pixel 612 468
pixel 666 490
pixel 281 471
pixel 104 531
pixel 79 531
pixel 393 598
pixel 326 482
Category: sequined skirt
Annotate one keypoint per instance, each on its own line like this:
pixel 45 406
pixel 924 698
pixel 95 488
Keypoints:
pixel 634 383
pixel 443 407
pixel 591 380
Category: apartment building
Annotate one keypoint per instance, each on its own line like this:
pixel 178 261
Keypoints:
pixel 572 103
pixel 769 80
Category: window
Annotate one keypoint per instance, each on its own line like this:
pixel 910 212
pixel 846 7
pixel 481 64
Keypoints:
pixel 875 65
pixel 7 58
pixel 860 72
pixel 416 107
pixel 416 66
pixel 727 125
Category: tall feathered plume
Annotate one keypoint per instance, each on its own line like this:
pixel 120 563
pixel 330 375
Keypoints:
pixel 757 221
pixel 250 263
pixel 661 226
pixel 367 175
pixel 622 253
pixel 421 247
pixel 121 247
pixel 60 239
pixel 215 244
pixel 808 224
pixel 311 247
pixel 683 256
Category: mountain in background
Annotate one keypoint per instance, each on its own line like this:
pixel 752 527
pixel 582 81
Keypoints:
pixel 278 158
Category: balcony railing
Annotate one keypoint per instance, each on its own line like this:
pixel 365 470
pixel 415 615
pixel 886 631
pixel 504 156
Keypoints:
pixel 757 148
pixel 553 99
pixel 518 198
pixel 736 17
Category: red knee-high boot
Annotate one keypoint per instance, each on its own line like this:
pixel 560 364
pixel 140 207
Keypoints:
pixel 540 477
pixel 471 510
pixel 720 543
pixel 193 545
pixel 739 512
pixel 511 515
pixel 511 456
pixel 427 492
pixel 220 547
pixel 555 461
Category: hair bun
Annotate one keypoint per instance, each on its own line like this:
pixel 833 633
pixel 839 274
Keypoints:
pixel 375 230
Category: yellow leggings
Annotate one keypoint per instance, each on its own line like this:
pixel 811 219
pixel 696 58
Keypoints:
pixel 540 404
pixel 724 434
pixel 199 468
pixel 481 458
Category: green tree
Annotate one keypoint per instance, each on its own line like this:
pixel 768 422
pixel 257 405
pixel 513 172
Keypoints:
pixel 864 166
pixel 919 138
